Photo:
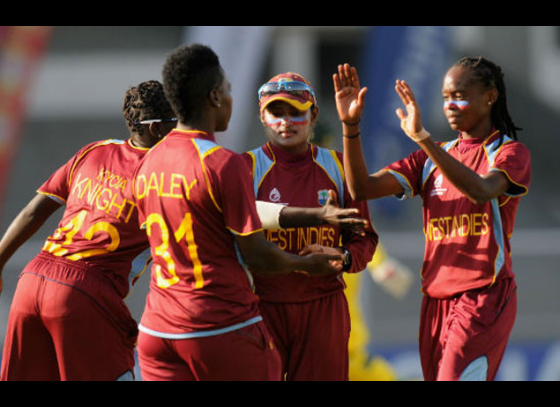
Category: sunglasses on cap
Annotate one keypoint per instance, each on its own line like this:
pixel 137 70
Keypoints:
pixel 174 119
pixel 292 87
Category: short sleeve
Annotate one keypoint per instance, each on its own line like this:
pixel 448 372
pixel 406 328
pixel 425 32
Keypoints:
pixel 234 189
pixel 514 160
pixel 408 172
pixel 57 187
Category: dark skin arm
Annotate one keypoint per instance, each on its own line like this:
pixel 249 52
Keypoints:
pixel 479 189
pixel 350 103
pixel 330 214
pixel 350 99
pixel 265 258
pixel 24 226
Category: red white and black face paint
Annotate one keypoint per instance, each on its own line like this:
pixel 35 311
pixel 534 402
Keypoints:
pixel 276 122
pixel 456 104
pixel 287 127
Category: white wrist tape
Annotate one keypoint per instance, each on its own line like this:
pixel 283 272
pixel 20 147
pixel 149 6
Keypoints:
pixel 420 136
pixel 269 213
pixel 416 137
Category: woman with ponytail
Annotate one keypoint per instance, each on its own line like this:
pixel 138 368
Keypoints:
pixel 470 188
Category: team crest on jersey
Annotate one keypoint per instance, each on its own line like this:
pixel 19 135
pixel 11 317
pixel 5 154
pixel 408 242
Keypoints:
pixel 438 183
pixel 275 195
pixel 323 196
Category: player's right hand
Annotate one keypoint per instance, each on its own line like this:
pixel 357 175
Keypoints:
pixel 322 263
pixel 349 96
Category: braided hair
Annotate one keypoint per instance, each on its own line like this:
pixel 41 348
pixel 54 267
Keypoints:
pixel 144 102
pixel 491 76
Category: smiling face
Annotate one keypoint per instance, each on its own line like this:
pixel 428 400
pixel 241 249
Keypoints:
pixel 467 103
pixel 288 127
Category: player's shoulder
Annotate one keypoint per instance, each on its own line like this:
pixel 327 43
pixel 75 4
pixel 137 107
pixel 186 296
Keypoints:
pixel 328 155
pixel 258 154
pixel 206 147
pixel 508 146
pixel 109 143
pixel 516 144
pixel 216 156
pixel 97 145
pixel 249 157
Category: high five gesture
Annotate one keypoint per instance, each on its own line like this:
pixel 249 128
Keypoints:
pixel 349 97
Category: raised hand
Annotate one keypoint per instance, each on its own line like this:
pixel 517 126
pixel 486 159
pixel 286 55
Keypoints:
pixel 411 122
pixel 349 97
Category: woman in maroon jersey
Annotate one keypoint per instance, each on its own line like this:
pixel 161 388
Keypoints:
pixel 308 317
pixel 202 320
pixel 68 320
pixel 470 189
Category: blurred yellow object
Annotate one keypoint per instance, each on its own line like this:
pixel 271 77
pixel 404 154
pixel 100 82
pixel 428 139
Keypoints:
pixel 395 279
pixel 391 275
pixel 375 369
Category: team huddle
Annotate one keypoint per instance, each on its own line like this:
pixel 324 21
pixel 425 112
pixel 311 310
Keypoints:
pixel 247 253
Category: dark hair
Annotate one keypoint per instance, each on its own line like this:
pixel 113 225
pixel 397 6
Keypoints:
pixel 491 75
pixel 189 74
pixel 144 102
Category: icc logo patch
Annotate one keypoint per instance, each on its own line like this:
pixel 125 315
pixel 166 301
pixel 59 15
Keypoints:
pixel 275 195
pixel 323 196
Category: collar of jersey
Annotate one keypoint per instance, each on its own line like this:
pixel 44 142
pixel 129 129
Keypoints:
pixel 286 158
pixel 193 134
pixel 485 141
pixel 131 145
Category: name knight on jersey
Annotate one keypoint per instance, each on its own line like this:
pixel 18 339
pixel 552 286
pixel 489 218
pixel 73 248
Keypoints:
pixel 105 192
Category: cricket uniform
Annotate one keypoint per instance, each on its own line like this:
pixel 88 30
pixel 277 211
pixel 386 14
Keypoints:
pixel 308 317
pixel 68 320
pixel 469 305
pixel 202 320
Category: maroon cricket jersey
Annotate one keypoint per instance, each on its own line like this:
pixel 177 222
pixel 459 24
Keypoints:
pixel 467 244
pixel 304 181
pixel 99 227
pixel 193 197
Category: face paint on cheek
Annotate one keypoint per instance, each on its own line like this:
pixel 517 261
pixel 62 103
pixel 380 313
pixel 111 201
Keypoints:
pixel 300 121
pixel 456 104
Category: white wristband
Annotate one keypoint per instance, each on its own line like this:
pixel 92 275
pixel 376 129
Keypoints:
pixel 269 213
pixel 420 136
pixel 416 137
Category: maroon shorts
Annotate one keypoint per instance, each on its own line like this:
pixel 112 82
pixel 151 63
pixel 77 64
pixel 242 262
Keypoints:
pixel 67 324
pixel 312 337
pixel 464 338
pixel 246 354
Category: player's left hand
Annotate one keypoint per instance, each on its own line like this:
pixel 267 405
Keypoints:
pixel 349 97
pixel 334 215
pixel 411 122
pixel 318 249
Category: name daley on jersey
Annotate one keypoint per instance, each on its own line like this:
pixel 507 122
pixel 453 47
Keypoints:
pixel 164 185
